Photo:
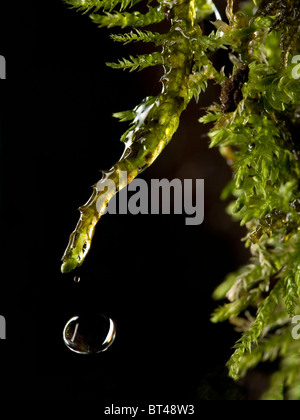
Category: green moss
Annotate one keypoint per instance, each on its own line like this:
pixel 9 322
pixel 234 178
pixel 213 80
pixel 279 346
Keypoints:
pixel 256 124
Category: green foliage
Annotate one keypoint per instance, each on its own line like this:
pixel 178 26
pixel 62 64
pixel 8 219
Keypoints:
pixel 259 137
pixel 125 19
pixel 138 36
pixel 187 70
pixel 265 309
pixel 255 127
pixel 140 62
pixel 87 5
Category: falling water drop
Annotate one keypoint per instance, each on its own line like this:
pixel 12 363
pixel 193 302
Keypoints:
pixel 76 279
pixel 87 334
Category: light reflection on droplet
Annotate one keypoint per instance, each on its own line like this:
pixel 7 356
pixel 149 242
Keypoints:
pixel 217 13
pixel 76 279
pixel 141 113
pixel 88 334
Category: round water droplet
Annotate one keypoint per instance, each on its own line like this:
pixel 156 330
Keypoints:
pixel 76 279
pixel 87 334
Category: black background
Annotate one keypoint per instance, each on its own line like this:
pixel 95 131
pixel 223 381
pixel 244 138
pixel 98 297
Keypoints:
pixel 152 274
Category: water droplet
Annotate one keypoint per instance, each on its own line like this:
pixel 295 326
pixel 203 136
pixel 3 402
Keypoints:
pixel 76 279
pixel 217 13
pixel 141 113
pixel 89 333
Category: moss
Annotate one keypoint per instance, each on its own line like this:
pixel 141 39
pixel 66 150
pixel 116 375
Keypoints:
pixel 255 125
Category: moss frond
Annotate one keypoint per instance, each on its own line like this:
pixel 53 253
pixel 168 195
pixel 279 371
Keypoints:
pixel 138 63
pixel 138 36
pixel 255 126
pixel 87 6
pixel 128 19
